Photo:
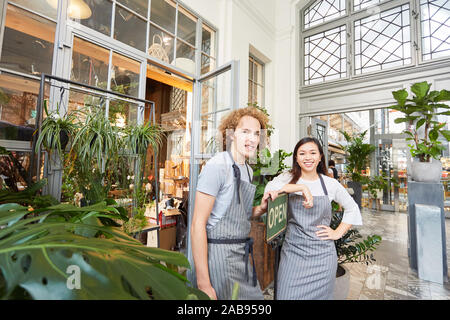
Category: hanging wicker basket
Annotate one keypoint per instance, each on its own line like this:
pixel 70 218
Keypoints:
pixel 157 49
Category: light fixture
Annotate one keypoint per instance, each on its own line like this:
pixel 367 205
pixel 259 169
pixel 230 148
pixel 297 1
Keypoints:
pixel 77 9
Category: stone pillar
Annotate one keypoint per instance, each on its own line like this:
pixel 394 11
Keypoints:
pixel 430 258
pixel 426 194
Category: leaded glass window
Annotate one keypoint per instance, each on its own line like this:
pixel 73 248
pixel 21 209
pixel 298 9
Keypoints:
pixel 435 23
pixel 382 40
pixel 322 11
pixel 325 56
pixel 363 4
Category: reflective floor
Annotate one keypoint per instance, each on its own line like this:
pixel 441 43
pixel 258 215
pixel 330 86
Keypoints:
pixel 390 277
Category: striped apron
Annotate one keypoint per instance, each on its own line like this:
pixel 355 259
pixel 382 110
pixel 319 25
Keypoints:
pixel 308 265
pixel 229 247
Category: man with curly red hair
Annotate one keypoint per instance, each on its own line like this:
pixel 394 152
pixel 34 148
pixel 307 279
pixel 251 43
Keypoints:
pixel 223 207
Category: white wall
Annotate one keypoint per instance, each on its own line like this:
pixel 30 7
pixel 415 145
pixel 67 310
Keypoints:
pixel 266 26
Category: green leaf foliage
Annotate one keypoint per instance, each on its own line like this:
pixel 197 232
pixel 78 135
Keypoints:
pixel 425 106
pixel 358 153
pixel 348 248
pixel 37 254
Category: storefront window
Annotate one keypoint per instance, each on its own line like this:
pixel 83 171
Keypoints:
pixel 82 101
pixel 89 63
pixel 187 25
pixel 93 14
pixel 122 113
pixel 138 6
pixel 163 14
pixel 14 170
pixel 208 64
pixel 27 42
pixel 45 7
pixel 208 40
pixel 130 29
pixel 185 57
pixel 160 45
pixel 125 75
pixel 18 99
pixel 216 94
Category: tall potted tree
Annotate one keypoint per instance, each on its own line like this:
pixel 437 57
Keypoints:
pixel 420 113
pixel 424 130
pixel 358 153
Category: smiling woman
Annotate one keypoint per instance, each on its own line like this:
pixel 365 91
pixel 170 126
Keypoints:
pixel 308 261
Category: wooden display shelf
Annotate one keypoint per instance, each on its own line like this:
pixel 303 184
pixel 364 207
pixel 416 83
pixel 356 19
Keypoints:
pixel 174 120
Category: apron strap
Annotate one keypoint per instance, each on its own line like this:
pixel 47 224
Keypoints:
pixel 248 252
pixel 323 185
pixel 237 176
pixel 248 172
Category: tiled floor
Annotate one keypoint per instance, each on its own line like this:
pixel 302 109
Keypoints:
pixel 390 277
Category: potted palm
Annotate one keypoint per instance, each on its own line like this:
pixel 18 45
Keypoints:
pixel 423 128
pixel 349 250
pixel 358 153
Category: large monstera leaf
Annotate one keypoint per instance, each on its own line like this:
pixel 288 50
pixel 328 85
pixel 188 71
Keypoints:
pixel 41 255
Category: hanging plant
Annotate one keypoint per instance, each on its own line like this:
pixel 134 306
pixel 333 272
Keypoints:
pixel 139 137
pixel 57 131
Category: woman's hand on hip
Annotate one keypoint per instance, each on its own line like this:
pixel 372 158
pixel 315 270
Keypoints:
pixel 326 233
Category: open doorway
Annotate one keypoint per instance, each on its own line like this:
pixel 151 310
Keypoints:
pixel 173 103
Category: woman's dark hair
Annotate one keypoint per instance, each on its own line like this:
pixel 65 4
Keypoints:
pixel 331 163
pixel 296 171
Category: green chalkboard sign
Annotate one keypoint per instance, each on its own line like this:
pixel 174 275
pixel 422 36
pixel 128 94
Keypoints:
pixel 276 216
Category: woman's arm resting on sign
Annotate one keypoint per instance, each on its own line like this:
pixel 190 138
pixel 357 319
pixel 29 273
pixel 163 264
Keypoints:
pixel 291 188
pixel 203 206
pixel 326 233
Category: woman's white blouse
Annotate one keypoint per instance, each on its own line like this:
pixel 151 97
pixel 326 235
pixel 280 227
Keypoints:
pixel 336 192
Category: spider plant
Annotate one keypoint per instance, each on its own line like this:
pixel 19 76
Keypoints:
pixel 138 138
pixel 57 130
pixel 96 139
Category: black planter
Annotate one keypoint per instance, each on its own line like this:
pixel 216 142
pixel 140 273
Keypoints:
pixel 357 191
pixel 64 139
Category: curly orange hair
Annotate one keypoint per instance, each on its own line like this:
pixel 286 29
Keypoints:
pixel 231 121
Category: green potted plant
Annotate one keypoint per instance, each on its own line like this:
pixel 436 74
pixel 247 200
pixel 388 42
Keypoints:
pixel 420 114
pixel 94 152
pixel 377 184
pixel 348 250
pixel 358 153
pixel 138 139
pixel 57 131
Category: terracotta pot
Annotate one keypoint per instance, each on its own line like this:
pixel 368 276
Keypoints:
pixel 342 285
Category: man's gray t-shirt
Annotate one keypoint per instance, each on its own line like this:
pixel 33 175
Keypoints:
pixel 217 179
